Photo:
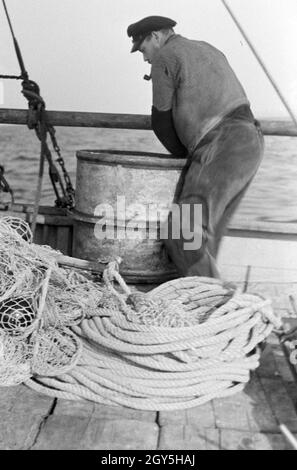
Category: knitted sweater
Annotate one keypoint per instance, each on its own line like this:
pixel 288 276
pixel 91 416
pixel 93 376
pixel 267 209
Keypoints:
pixel 195 81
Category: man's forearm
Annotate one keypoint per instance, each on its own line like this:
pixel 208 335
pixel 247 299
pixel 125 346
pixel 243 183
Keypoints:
pixel 163 127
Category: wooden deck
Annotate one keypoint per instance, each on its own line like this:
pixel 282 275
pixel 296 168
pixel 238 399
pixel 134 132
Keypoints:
pixel 246 421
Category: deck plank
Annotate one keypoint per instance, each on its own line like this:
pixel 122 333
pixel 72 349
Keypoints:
pixel 280 402
pixel 233 273
pixel 77 433
pixel 231 413
pixel 202 416
pixel 86 409
pixel 278 284
pixel 18 431
pixel 267 367
pixel 21 399
pixel 246 411
pixel 239 440
pixel 62 433
pixel 280 302
pixel 188 437
pixel 275 276
pixel 8 397
pixel 22 412
pixel 80 409
pixel 259 413
pixel 282 366
pixel 213 439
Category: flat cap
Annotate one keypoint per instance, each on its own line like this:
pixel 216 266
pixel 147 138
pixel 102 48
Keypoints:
pixel 138 31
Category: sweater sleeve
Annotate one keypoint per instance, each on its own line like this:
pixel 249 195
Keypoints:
pixel 163 96
pixel 163 127
pixel 163 83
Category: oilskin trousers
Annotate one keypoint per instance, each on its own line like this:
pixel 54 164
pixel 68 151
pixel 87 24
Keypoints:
pixel 211 185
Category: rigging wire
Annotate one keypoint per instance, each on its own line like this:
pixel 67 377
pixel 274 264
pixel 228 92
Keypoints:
pixel 266 71
pixel 38 120
pixel 24 73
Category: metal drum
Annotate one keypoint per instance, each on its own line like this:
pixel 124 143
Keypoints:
pixel 122 200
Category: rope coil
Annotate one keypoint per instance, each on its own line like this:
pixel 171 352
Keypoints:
pixel 186 342
pixel 129 361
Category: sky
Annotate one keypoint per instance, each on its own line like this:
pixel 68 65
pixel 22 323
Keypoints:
pixel 78 51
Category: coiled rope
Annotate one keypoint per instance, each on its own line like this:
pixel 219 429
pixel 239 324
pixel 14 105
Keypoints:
pixel 186 342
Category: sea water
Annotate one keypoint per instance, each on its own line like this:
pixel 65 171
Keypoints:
pixel 271 197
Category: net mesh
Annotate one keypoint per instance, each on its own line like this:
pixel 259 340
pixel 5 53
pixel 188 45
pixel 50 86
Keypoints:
pixel 15 356
pixel 39 301
pixel 55 351
pixel 179 311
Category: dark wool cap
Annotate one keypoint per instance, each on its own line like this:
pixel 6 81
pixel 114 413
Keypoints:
pixel 138 31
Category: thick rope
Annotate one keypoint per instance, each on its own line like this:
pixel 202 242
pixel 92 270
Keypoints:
pixel 127 362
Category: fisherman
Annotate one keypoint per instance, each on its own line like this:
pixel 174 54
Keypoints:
pixel 200 111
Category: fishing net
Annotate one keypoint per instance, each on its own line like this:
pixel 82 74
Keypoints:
pixel 14 225
pixel 15 356
pixel 56 351
pixel 71 297
pixel 39 301
pixel 7 278
pixel 184 309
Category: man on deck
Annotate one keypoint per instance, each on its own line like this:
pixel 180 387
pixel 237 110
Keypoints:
pixel 200 111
